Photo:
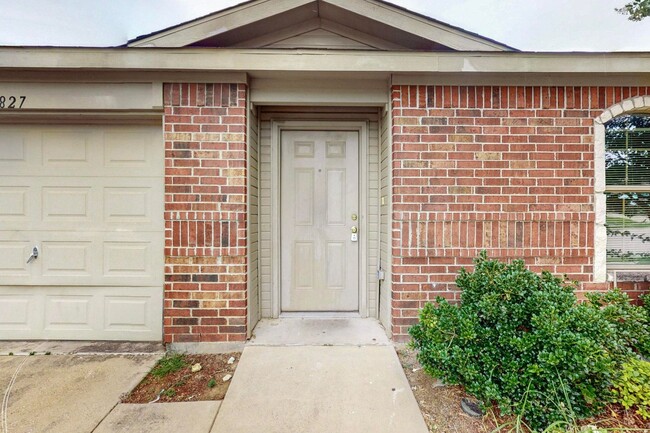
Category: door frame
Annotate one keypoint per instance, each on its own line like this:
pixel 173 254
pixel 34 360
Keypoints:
pixel 277 127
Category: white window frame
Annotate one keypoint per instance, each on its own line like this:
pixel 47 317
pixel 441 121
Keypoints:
pixel 636 105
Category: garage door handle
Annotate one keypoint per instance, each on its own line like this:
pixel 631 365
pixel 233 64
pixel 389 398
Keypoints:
pixel 34 255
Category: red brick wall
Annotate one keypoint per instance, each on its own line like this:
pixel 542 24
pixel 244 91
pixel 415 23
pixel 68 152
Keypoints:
pixel 205 212
pixel 634 288
pixel 505 169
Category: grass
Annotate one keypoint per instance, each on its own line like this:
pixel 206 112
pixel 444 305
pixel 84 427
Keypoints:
pixel 169 364
pixel 569 424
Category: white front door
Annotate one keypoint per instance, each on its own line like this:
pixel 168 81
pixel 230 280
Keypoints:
pixel 319 212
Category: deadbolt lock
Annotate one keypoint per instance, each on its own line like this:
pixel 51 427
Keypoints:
pixel 354 217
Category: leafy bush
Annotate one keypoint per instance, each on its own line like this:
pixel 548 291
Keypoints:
pixel 632 389
pixel 631 322
pixel 517 333
pixel 645 299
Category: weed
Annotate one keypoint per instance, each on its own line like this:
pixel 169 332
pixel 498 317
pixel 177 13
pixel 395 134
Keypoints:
pixel 561 400
pixel 11 354
pixel 181 382
pixel 32 353
pixel 169 364
pixel 48 353
pixel 212 383
pixel 170 392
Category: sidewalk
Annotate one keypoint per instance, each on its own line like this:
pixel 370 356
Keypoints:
pixel 296 375
pixel 319 389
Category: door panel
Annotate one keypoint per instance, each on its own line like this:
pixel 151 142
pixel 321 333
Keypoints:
pixel 319 195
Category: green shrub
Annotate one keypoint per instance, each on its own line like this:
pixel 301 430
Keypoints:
pixel 518 333
pixel 631 322
pixel 645 299
pixel 632 389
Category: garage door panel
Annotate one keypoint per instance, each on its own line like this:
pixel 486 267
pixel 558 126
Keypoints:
pixel 89 151
pixel 91 198
pixel 127 259
pixel 13 258
pixel 132 204
pixel 13 149
pixel 69 149
pixel 69 312
pixel 82 204
pixel 127 313
pixel 15 312
pixel 81 313
pixel 71 259
pixel 91 258
pixel 67 204
pixel 13 202
pixel 128 149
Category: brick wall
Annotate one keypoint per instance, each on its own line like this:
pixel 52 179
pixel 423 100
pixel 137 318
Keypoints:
pixel 505 169
pixel 205 212
pixel 634 288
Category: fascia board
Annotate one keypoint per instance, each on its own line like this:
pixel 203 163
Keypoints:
pixel 252 60
pixel 215 24
pixel 427 29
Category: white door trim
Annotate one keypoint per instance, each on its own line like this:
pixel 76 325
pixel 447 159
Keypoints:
pixel 276 132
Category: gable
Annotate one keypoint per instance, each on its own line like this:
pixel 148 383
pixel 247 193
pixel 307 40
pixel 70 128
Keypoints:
pixel 319 38
pixel 319 24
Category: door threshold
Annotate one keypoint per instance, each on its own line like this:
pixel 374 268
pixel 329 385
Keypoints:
pixel 319 315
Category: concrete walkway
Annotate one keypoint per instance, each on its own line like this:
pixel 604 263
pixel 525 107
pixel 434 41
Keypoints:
pixel 341 381
pixel 193 417
pixel 65 393
pixel 296 375
pixel 310 389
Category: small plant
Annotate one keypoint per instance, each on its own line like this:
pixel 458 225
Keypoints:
pixel 48 353
pixel 11 354
pixel 171 392
pixel 169 364
pixel 212 383
pixel 32 353
pixel 633 387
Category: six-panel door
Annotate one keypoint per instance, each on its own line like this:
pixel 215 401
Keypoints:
pixel 319 212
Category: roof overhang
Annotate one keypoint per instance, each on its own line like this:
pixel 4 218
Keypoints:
pixel 282 62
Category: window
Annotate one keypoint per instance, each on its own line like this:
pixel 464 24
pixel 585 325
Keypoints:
pixel 627 191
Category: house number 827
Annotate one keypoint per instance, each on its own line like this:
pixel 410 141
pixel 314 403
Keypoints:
pixel 12 101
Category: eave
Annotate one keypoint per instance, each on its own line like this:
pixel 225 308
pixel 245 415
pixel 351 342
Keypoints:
pixel 318 61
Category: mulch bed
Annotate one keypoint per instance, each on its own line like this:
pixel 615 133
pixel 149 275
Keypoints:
pixel 184 385
pixel 440 406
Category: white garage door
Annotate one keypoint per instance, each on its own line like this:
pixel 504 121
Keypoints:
pixel 90 199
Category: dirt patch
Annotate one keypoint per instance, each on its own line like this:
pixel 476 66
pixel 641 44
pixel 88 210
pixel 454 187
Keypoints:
pixel 617 419
pixel 184 385
pixel 439 403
